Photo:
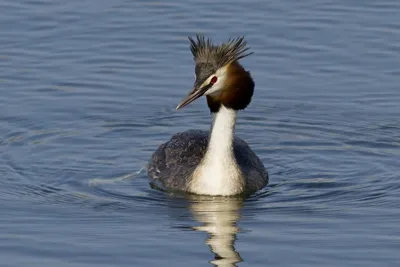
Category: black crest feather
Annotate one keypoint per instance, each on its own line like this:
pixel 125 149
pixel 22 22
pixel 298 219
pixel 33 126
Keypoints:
pixel 204 51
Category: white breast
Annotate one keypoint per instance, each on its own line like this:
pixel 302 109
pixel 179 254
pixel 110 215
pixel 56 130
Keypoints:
pixel 218 173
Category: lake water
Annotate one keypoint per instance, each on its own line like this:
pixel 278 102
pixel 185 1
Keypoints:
pixel 88 91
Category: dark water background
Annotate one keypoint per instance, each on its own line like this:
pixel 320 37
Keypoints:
pixel 88 91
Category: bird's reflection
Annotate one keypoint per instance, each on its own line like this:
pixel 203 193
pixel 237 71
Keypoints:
pixel 219 217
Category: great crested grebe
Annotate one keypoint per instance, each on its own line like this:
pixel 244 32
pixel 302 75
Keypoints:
pixel 215 162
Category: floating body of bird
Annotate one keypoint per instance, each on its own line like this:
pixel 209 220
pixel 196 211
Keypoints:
pixel 215 162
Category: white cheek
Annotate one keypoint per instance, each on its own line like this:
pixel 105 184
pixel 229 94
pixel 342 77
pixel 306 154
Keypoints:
pixel 215 88
pixel 218 86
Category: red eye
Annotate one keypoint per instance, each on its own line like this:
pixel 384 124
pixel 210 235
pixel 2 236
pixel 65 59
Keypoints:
pixel 214 80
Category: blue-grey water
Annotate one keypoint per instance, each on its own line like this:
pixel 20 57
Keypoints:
pixel 88 91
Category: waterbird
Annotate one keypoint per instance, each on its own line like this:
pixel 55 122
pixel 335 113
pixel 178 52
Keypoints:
pixel 214 162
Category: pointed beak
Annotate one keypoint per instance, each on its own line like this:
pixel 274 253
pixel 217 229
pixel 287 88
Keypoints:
pixel 192 96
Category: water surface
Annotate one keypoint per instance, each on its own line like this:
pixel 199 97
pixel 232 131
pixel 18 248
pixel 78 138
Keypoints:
pixel 88 91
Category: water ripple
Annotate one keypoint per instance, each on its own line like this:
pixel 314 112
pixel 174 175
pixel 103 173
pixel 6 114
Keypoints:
pixel 89 90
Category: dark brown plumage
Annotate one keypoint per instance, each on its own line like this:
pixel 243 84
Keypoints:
pixel 237 92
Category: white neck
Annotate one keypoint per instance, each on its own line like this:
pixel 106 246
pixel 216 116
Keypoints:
pixel 222 132
pixel 218 172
